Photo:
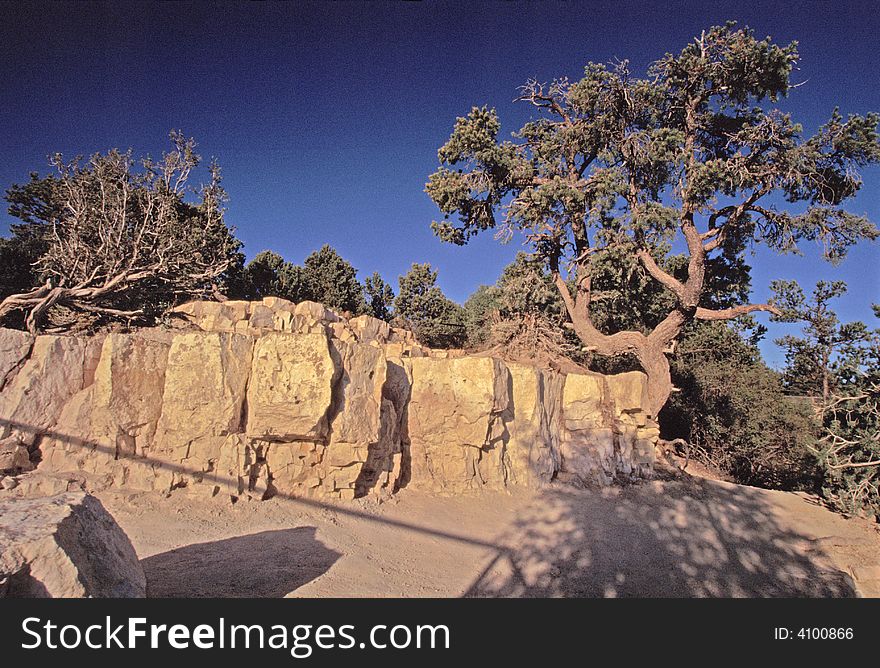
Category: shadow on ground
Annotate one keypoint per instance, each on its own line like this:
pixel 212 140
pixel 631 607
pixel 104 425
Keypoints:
pixel 685 538
pixel 269 564
pixel 689 538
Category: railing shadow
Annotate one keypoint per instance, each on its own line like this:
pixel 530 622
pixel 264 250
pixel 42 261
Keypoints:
pixel 689 538
pixel 341 508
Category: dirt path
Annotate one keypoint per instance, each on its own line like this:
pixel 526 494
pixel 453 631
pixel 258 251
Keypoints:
pixel 690 537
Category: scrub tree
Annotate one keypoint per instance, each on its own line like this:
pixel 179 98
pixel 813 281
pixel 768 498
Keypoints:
pixel 115 237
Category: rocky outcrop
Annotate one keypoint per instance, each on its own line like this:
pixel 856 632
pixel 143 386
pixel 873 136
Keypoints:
pixel 291 386
pixel 605 431
pixel 456 427
pixel 255 399
pixel 65 546
pixel 203 406
pixel 15 347
pixel 55 370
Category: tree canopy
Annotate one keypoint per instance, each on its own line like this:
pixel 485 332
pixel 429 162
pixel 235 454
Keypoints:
pixel 332 280
pixel 521 315
pixel 379 297
pixel 270 275
pixel 422 307
pixel 620 165
pixel 324 277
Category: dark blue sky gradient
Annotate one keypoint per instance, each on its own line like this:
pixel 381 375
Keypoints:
pixel 326 118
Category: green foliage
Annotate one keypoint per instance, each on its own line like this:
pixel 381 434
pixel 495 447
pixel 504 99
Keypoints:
pixel 809 359
pixel 624 140
pixel 332 281
pixel 732 411
pixel 848 451
pixel 37 204
pixel 269 275
pixel 838 366
pixel 522 313
pixel 19 255
pixel 325 277
pixel 625 297
pixel 420 304
pixel 615 168
pixel 480 310
pixel 526 287
pixel 730 407
pixel 379 297
pixel 417 282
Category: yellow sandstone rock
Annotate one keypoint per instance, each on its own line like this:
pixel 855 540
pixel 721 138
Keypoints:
pixel 290 389
pixel 31 401
pixel 204 393
pixel 260 398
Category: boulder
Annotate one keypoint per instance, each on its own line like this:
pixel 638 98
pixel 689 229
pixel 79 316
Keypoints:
pixel 129 384
pixel 316 311
pixel 65 546
pixel 357 437
pixel 103 427
pixel 533 424
pixel 14 457
pixel 293 468
pixel 367 328
pixel 360 397
pixel 278 304
pixel 453 421
pixel 582 401
pixel 628 391
pixel 605 429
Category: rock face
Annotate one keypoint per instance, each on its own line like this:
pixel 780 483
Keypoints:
pixel 54 371
pixel 261 398
pixel 15 346
pixel 456 426
pixel 289 393
pixel 65 546
pixel 605 431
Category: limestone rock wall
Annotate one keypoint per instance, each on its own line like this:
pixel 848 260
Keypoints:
pixel 262 398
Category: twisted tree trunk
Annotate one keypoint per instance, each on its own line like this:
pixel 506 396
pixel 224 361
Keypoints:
pixel 650 350
pixel 39 300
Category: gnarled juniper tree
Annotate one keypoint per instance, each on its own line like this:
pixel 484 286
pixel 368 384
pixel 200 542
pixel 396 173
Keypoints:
pixel 625 165
pixel 117 241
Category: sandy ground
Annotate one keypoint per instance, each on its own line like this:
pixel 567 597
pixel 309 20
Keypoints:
pixel 686 537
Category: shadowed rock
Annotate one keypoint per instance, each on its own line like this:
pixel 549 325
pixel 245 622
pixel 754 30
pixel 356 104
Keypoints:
pixel 65 546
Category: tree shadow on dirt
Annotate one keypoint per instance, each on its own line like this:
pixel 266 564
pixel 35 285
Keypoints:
pixel 689 538
pixel 683 538
pixel 269 564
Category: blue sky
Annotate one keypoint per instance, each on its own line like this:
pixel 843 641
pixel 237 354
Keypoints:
pixel 327 117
